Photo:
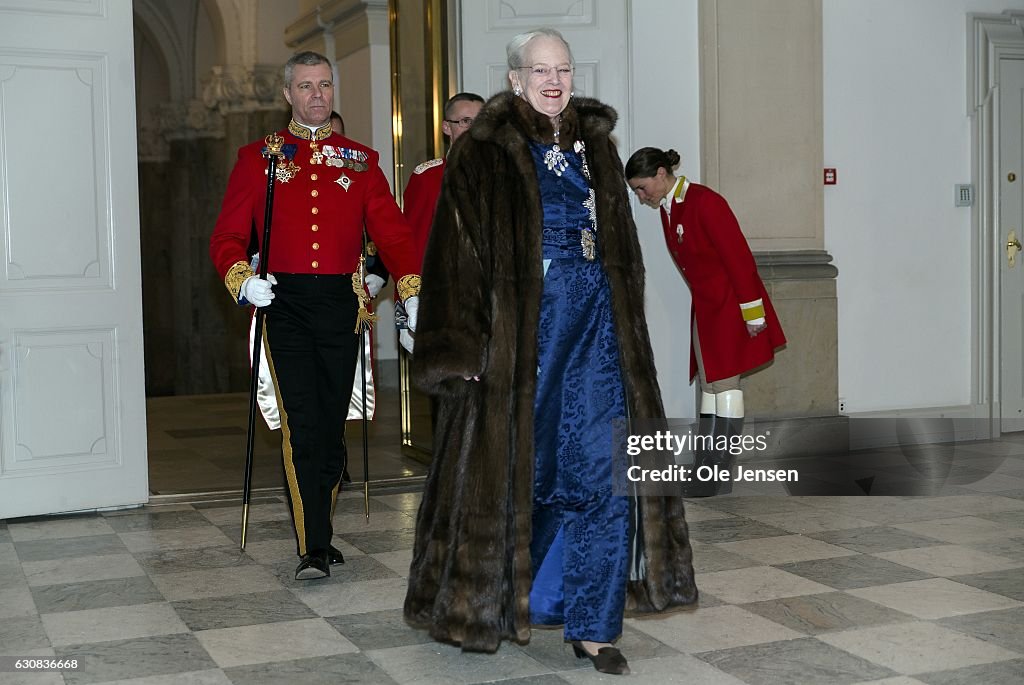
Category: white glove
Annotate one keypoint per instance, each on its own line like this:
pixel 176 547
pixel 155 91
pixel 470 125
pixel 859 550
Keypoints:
pixel 406 339
pixel 412 306
pixel 373 284
pixel 257 291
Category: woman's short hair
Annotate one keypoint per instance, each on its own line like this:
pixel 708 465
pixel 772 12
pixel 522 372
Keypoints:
pixel 517 46
pixel 307 58
pixel 644 163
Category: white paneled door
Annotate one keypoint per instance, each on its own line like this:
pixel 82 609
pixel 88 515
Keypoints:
pixel 596 31
pixel 72 397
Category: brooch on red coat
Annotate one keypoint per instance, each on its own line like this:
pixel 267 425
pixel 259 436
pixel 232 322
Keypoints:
pixel 679 233
pixel 344 181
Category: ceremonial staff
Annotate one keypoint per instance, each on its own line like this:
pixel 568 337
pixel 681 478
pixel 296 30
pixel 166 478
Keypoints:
pixel 364 322
pixel 273 152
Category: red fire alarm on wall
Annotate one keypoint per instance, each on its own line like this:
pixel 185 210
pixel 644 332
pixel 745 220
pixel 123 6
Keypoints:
pixel 830 177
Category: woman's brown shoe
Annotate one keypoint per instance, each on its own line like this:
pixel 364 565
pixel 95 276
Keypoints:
pixel 607 660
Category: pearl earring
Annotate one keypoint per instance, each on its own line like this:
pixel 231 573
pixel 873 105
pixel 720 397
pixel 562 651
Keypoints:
pixel 517 90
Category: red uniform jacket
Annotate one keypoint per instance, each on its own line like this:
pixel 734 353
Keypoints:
pixel 420 199
pixel 319 212
pixel 716 262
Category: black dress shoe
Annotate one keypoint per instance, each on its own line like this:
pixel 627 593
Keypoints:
pixel 334 556
pixel 607 660
pixel 313 565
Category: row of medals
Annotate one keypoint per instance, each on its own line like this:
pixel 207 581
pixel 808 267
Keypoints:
pixel 341 162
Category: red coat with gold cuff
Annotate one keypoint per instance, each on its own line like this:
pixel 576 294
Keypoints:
pixel 319 210
pixel 707 245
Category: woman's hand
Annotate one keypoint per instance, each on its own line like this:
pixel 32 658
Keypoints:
pixel 754 329
pixel 471 378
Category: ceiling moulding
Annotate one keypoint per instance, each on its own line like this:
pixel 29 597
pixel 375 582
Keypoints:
pixel 235 88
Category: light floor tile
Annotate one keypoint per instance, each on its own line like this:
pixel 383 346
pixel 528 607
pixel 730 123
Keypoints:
pixel 918 647
pixel 975 505
pixel 673 670
pixel 59 528
pixel 949 560
pixel 216 582
pixel 811 522
pixel 934 598
pixel 997 482
pixel 353 598
pixel 81 569
pixel 207 677
pixel 961 529
pixel 757 584
pixel 115 623
pixel 175 538
pixel 383 520
pixel 264 643
pixel 785 549
pixel 695 512
pixel 398 562
pixel 437 664
pixel 711 629
pixel 16 602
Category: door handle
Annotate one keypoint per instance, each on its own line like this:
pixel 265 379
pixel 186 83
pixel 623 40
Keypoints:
pixel 1013 246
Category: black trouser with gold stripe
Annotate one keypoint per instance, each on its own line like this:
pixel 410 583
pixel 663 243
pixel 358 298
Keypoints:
pixel 311 347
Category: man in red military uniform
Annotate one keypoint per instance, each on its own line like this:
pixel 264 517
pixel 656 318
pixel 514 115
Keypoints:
pixel 735 328
pixel 327 189
pixel 420 197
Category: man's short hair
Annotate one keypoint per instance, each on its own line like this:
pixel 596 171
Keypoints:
pixel 460 97
pixel 307 58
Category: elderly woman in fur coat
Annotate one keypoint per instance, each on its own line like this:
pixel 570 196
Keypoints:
pixel 533 339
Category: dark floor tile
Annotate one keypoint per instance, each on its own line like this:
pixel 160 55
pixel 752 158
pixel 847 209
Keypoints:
pixel 547 679
pixel 274 495
pixel 375 542
pixel 241 610
pixel 1009 548
pixel 732 530
pixel 5 535
pixel 164 520
pixel 22 634
pixel 794 662
pixel 874 539
pixel 180 433
pixel 91 545
pixel 100 662
pixel 710 559
pixel 845 573
pixel 355 505
pixel 192 559
pixel 814 614
pixel 378 630
pixel 1001 673
pixel 1009 583
pixel 260 531
pixel 1004 628
pixel 96 594
pixel 355 568
pixel 340 668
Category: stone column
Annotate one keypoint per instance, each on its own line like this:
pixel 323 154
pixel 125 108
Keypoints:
pixel 762 149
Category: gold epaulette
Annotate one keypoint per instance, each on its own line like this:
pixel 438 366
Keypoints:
pixel 236 276
pixel 408 286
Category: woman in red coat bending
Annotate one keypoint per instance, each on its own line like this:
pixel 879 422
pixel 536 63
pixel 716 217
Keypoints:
pixel 735 328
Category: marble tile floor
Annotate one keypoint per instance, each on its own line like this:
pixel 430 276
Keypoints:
pixel 162 595
pixel 882 589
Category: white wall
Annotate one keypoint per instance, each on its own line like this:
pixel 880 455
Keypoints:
pixel 665 113
pixel 896 129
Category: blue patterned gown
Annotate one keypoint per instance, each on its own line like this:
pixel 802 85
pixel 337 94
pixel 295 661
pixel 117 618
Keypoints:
pixel 580 543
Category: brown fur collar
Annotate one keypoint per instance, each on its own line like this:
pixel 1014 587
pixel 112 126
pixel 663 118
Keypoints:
pixel 507 117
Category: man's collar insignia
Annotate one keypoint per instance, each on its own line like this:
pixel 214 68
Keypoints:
pixel 300 131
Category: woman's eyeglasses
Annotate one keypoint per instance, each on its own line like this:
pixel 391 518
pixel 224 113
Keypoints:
pixel 464 122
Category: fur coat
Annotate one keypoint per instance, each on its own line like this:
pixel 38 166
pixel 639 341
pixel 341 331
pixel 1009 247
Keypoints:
pixel 470 578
